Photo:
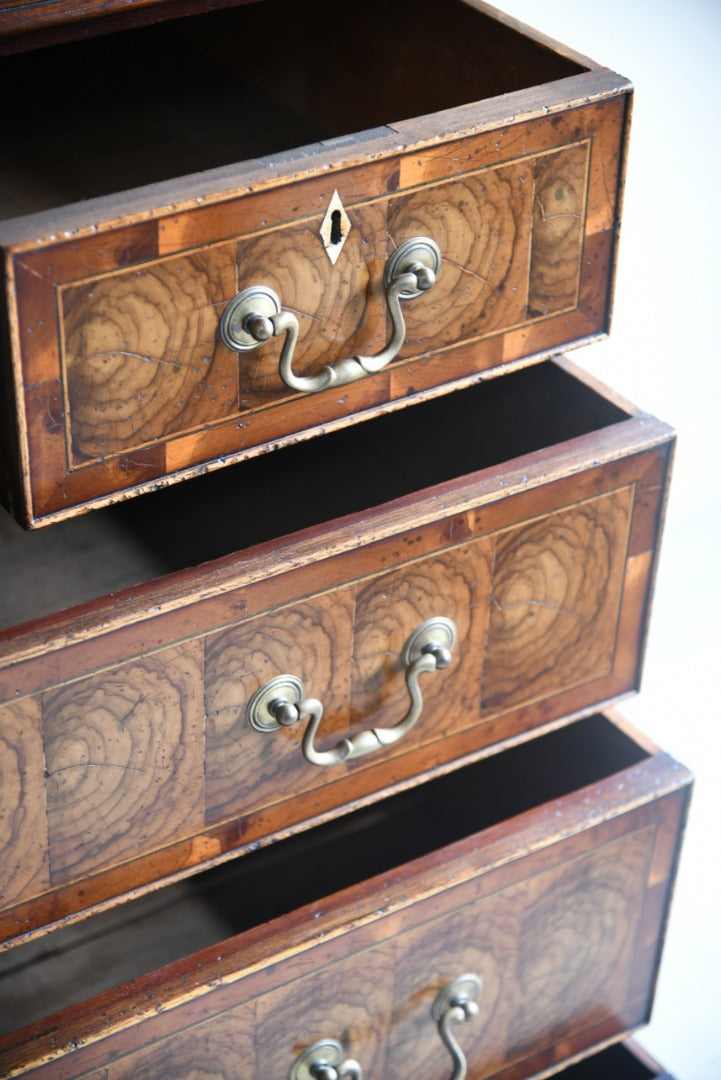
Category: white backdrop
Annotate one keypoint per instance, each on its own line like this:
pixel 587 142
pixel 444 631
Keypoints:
pixel 664 354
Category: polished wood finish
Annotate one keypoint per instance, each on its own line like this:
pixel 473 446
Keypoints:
pixel 131 711
pixel 554 893
pixel 119 379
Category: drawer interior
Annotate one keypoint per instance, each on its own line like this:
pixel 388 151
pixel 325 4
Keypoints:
pixel 79 961
pixel 347 471
pixel 104 114
pixel 618 1062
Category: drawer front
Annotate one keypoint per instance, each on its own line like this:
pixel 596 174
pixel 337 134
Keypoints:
pixel 123 380
pixel 125 735
pixel 557 913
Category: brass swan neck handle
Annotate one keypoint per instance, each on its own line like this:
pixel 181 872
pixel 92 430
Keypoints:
pixel 455 1004
pixel 281 701
pixel 255 315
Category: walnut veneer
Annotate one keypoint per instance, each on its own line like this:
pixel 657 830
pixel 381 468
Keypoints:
pixel 127 739
pixel 119 378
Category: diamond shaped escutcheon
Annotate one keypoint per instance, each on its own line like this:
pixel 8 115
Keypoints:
pixel 335 228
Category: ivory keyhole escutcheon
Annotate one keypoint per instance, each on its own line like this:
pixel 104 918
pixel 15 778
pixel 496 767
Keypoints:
pixel 335 228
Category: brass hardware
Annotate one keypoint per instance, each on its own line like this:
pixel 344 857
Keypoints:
pixel 420 257
pixel 455 1004
pixel 324 1061
pixel 255 315
pixel 273 706
pixel 281 702
pixel 244 325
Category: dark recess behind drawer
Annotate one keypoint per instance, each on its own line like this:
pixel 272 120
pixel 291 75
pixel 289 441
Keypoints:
pixel 197 93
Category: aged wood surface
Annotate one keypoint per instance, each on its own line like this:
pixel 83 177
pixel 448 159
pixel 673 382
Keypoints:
pixel 312 640
pixel 566 938
pixel 225 1044
pixel 553 582
pixel 125 749
pixel 31 26
pixel 23 826
pixel 141 355
pixel 136 387
pixel 482 224
pixel 141 350
pixel 557 234
pixel 560 911
pixel 142 725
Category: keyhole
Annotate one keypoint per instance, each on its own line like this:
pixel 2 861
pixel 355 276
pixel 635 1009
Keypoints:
pixel 336 233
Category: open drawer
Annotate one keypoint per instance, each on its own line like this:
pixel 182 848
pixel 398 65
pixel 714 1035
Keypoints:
pixel 516 524
pixel 622 1061
pixel 132 362
pixel 541 875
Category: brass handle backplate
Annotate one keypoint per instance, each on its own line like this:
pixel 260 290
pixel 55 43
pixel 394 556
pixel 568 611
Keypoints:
pixel 324 1061
pixel 455 1004
pixel 255 315
pixel 281 702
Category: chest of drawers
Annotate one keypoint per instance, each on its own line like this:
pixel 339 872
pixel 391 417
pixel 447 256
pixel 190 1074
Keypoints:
pixel 312 659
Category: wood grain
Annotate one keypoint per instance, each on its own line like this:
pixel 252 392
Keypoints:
pixel 142 356
pixel 350 1003
pixel 555 600
pixel 24 869
pixel 477 939
pixel 576 937
pixel 340 308
pixel 123 753
pixel 455 585
pixel 559 209
pixel 550 907
pixel 220 1048
pixel 16 19
pixel 247 770
pixel 143 718
pixel 553 953
pixel 482 225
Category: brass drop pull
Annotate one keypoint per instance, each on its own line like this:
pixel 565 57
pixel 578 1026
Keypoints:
pixel 324 1061
pixel 255 315
pixel 281 702
pixel 455 1004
